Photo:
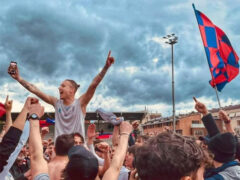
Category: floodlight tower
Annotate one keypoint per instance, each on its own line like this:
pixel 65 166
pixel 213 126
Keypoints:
pixel 172 39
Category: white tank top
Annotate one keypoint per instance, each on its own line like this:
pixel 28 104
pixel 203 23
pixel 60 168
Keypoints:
pixel 69 119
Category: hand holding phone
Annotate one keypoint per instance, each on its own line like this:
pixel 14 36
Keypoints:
pixel 13 70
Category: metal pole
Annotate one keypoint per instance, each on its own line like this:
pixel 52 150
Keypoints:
pixel 173 94
pixel 217 97
pixel 172 39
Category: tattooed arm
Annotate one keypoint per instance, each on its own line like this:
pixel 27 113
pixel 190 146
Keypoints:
pixel 86 97
pixel 33 89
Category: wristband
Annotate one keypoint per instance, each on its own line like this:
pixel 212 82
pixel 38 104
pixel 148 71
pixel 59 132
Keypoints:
pixel 124 133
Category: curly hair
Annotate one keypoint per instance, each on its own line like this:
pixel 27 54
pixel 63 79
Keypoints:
pixel 169 156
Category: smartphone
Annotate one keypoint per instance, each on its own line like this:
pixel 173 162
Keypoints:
pixel 13 67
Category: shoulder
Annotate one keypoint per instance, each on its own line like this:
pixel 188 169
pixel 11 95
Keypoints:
pixel 215 177
pixel 231 172
pixel 42 176
pixel 56 164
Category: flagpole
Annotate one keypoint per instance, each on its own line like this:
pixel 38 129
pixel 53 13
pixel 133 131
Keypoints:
pixel 207 62
pixel 219 103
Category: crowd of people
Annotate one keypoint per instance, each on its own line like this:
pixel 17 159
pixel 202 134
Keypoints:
pixel 73 154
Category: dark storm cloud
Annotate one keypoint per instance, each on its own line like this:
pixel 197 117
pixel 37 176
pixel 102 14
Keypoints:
pixel 45 40
pixel 56 40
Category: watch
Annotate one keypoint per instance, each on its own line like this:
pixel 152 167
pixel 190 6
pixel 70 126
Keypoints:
pixel 33 116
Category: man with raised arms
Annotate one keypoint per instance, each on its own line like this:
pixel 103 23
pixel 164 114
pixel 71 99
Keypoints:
pixel 69 112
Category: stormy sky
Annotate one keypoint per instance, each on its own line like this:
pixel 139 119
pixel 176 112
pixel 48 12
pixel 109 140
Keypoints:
pixel 58 39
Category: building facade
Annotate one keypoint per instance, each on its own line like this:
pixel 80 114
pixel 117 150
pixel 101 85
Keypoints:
pixel 186 124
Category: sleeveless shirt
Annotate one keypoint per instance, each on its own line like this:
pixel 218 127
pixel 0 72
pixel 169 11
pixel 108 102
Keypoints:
pixel 69 119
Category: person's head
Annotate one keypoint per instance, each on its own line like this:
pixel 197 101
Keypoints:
pixel 50 140
pixel 130 156
pixel 223 146
pixel 238 148
pixel 68 88
pixel 203 141
pixel 82 164
pixel 135 124
pixel 63 143
pixel 78 139
pixel 50 147
pixel 141 139
pixel 49 152
pixel 171 157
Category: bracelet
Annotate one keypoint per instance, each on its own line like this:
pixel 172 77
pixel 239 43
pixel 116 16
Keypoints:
pixel 124 133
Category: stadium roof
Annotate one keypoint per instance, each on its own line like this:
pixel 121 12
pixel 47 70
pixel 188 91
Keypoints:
pixel 92 115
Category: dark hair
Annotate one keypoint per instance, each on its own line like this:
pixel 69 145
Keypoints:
pixel 144 138
pixel 79 135
pixel 132 149
pixel 97 149
pixel 51 143
pixel 74 84
pixel 238 148
pixel 63 143
pixel 223 146
pixel 96 141
pixel 169 156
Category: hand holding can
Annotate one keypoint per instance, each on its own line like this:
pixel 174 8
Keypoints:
pixel 12 68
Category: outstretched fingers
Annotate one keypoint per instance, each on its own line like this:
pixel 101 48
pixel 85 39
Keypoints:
pixel 109 54
pixel 195 99
pixel 6 99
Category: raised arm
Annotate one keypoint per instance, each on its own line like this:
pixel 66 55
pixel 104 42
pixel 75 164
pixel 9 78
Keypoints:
pixel 118 158
pixel 227 121
pixel 8 107
pixel 30 87
pixel 115 136
pixel 207 118
pixel 44 132
pixel 38 164
pixel 104 147
pixel 86 97
pixel 12 136
pixel 8 124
